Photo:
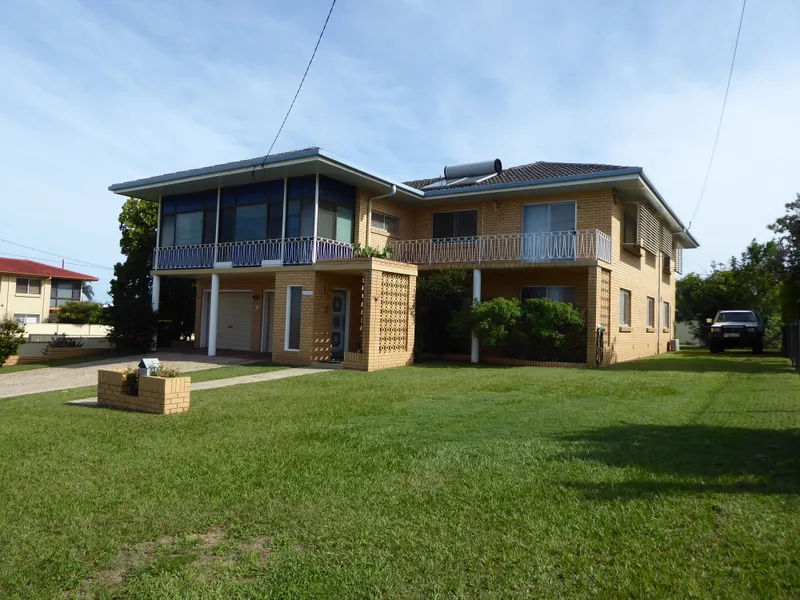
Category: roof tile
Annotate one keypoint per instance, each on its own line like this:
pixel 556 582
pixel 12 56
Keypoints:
pixel 17 266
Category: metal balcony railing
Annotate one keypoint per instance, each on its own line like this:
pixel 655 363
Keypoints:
pixel 555 246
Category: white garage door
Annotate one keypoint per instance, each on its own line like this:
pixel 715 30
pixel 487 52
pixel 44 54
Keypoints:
pixel 235 316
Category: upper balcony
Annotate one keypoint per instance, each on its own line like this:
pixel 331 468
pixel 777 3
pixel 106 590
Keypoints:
pixel 557 246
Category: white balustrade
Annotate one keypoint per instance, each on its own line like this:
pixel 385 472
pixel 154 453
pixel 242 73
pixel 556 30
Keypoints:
pixel 200 256
pixel 555 246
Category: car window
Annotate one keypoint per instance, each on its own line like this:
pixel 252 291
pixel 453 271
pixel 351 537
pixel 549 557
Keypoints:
pixel 736 317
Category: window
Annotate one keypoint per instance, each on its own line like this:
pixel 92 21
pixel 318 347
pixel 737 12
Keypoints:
pixel 251 212
pixel 300 206
pixel 26 319
pixel 667 315
pixel 630 233
pixel 549 232
pixel 188 219
pixel 294 300
pixel 337 202
pixel 651 313
pixel 63 291
pixel 624 308
pixel 462 223
pixel 557 293
pixel 385 223
pixel 29 286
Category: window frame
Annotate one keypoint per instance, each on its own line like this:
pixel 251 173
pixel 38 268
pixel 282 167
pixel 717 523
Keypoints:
pixel 27 291
pixel 547 289
pixel 386 219
pixel 288 335
pixel 651 313
pixel 453 212
pixel 628 216
pixel 666 315
pixel 625 309
pixel 24 319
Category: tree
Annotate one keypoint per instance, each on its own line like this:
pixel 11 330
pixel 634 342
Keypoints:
pixel 12 336
pixel 87 290
pixel 81 313
pixel 132 320
pixel 752 281
pixel 439 295
pixel 788 229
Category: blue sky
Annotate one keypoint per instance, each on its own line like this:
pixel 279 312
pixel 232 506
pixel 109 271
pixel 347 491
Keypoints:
pixel 100 91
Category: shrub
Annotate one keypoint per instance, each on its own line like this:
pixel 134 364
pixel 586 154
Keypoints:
pixel 491 321
pixel 62 341
pixel 551 330
pixel 81 313
pixel 165 370
pixel 130 377
pixel 12 336
pixel 360 251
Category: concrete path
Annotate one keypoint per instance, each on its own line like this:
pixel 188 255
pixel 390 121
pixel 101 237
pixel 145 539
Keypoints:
pixel 219 383
pixel 50 379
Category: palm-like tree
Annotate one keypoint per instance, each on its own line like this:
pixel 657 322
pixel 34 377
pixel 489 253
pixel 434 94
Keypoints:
pixel 88 291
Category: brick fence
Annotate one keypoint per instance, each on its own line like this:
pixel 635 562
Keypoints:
pixel 158 395
pixel 53 354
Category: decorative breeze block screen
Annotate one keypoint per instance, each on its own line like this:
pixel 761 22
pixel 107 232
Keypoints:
pixel 394 313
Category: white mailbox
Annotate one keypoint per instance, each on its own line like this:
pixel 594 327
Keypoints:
pixel 147 366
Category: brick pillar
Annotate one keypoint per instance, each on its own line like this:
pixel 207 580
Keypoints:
pixel 593 314
pixel 372 317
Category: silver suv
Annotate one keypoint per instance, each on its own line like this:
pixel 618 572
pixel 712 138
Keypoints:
pixel 737 329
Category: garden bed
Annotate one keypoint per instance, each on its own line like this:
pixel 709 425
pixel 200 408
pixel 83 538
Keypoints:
pixel 157 395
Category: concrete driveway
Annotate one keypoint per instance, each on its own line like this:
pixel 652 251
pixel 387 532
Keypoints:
pixel 51 379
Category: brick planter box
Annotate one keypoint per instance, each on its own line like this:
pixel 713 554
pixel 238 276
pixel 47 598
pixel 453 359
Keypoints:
pixel 157 395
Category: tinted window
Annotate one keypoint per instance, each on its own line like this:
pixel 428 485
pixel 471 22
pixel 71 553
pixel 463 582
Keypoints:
pixel 736 317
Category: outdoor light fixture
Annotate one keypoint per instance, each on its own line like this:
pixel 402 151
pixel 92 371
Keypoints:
pixel 255 296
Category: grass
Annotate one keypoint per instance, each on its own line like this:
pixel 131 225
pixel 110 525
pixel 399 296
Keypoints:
pixel 58 362
pixel 673 477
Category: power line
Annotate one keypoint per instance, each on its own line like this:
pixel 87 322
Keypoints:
pixel 72 260
pixel 721 116
pixel 302 81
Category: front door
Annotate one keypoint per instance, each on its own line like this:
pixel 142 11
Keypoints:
pixel 338 324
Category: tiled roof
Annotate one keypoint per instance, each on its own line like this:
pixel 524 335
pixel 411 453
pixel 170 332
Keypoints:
pixel 530 172
pixel 16 266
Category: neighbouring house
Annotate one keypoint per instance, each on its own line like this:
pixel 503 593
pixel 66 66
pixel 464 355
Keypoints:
pixel 270 242
pixel 31 292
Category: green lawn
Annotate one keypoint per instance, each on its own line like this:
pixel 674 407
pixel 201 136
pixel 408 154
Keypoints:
pixel 674 477
pixel 58 362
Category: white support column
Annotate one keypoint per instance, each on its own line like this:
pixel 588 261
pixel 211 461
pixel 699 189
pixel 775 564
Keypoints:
pixel 154 302
pixel 316 220
pixel 476 297
pixel 212 315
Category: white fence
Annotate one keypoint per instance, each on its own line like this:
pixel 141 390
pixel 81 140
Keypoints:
pixel 68 329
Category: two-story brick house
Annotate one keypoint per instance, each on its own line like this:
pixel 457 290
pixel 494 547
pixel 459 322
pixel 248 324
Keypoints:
pixel 270 242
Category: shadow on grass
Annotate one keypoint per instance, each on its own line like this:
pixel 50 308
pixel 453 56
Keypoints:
pixel 718 459
pixel 457 364
pixel 705 362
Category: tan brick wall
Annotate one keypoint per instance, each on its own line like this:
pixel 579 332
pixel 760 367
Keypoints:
pixel 594 212
pixel 641 276
pixel 507 282
pixel 307 281
pixel 54 354
pixel 157 395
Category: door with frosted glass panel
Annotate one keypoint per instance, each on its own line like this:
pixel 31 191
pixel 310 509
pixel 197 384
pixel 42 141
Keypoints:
pixel 549 232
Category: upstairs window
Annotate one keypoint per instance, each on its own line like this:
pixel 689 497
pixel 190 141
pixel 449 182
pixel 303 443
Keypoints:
pixel 386 223
pixel 300 206
pixel 188 219
pixel 31 287
pixel 336 204
pixel 630 233
pixel 63 291
pixel 455 224
pixel 251 212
